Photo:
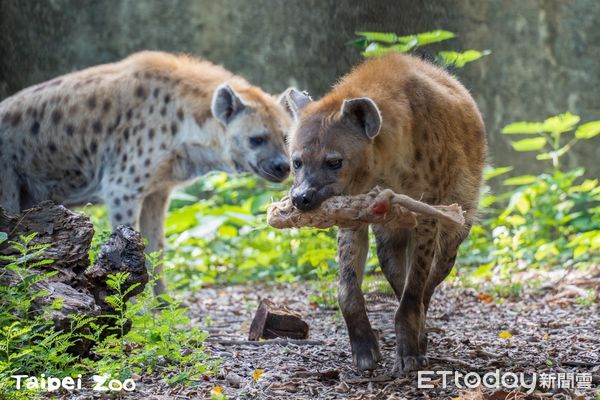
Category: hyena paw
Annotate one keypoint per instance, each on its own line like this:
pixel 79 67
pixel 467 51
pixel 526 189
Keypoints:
pixel 406 364
pixel 366 354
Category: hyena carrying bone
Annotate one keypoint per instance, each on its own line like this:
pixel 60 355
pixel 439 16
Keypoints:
pixel 406 125
pixel 127 133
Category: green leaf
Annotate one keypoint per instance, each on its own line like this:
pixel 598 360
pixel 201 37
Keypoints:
pixel 459 59
pixel 561 123
pixel 433 37
pixel 523 128
pixel 376 49
pixel 490 172
pixel 379 37
pixel 531 144
pixel 588 131
pixel 520 180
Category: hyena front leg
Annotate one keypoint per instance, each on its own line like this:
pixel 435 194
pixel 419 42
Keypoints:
pixel 410 316
pixel 353 246
pixel 152 226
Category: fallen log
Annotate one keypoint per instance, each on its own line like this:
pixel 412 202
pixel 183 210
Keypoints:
pixel 379 206
pixel 81 287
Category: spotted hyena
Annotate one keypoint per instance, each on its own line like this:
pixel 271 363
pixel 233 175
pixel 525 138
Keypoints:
pixel 400 123
pixel 127 133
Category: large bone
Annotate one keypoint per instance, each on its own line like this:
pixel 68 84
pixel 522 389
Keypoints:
pixel 379 206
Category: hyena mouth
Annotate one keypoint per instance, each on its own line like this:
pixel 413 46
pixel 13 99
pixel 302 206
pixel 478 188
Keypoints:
pixel 264 173
pixel 238 167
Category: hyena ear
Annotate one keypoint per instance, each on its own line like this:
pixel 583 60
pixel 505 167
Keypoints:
pixel 294 101
pixel 363 114
pixel 226 104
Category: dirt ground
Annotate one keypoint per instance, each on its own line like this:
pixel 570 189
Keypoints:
pixel 550 333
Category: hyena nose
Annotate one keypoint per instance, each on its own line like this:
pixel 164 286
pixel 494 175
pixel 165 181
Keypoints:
pixel 304 200
pixel 281 168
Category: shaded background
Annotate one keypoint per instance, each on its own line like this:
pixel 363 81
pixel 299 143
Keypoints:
pixel 544 62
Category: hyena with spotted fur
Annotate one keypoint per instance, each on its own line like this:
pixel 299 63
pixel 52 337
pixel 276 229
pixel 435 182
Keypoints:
pixel 127 133
pixel 400 123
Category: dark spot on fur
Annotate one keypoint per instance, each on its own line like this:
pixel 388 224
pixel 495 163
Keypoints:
pixel 163 111
pixel 180 114
pixel 70 130
pixel 151 109
pixel 151 133
pixel 156 93
pixel 140 91
pixel 86 153
pixel 130 213
pixel 132 169
pixel 126 133
pixel 91 102
pixel 418 155
pixel 35 128
pixel 15 118
pixel 52 147
pixel 431 164
pixel 118 217
pixel 129 114
pixel 93 147
pixel 137 179
pixel 167 98
pixel 117 201
pixel 147 162
pixel 56 116
pixel 124 158
pixel 174 128
pixel 97 127
pixel 140 152
pixel 106 106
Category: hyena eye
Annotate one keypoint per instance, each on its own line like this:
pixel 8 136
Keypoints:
pixel 257 140
pixel 297 164
pixel 334 164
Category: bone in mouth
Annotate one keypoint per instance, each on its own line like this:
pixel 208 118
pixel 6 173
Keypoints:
pixel 379 206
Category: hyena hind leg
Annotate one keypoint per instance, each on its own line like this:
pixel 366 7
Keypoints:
pixel 410 316
pixel 353 247
pixel 445 257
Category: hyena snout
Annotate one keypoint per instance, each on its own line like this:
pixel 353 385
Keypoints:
pixel 304 198
pixel 274 169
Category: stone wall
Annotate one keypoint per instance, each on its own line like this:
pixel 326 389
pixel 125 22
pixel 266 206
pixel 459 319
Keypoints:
pixel 544 51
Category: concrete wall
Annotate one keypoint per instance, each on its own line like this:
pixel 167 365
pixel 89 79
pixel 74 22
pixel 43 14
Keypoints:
pixel 544 57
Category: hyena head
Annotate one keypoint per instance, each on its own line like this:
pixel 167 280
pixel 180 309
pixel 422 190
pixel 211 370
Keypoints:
pixel 256 125
pixel 332 148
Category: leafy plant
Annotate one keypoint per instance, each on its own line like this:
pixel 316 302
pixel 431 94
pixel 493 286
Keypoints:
pixel 546 221
pixel 375 44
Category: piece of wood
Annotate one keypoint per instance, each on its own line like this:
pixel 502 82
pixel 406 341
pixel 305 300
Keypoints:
pixel 82 288
pixel 379 206
pixel 274 321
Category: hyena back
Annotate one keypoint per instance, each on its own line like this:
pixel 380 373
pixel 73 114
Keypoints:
pixel 401 123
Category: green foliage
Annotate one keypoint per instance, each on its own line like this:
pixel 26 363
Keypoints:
pixel 545 221
pixel 375 44
pixel 160 339
pixel 28 341
pixel 222 237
